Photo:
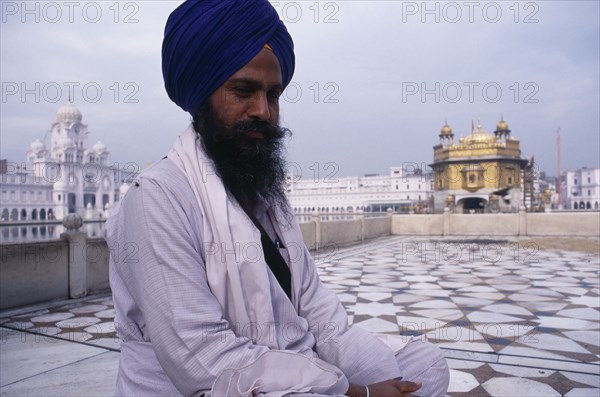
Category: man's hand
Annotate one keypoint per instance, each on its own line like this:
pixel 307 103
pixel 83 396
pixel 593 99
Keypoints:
pixel 387 388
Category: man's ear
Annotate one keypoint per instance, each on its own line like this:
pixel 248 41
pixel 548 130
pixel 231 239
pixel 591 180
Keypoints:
pixel 198 118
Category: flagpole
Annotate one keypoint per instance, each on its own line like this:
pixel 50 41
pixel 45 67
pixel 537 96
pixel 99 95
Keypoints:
pixel 559 183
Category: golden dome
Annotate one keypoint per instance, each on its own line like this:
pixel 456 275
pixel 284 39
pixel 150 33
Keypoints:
pixel 478 136
pixel 502 128
pixel 446 130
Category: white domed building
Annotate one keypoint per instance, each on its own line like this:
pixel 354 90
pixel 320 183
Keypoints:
pixel 68 177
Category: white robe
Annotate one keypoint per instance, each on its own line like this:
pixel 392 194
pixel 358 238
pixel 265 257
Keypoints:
pixel 179 338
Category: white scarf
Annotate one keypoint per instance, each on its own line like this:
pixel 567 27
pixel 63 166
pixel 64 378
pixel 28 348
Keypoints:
pixel 240 280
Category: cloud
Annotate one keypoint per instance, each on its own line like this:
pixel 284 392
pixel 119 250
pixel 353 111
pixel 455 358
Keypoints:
pixel 355 62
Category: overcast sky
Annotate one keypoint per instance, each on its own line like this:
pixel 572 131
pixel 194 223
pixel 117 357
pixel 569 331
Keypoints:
pixel 374 82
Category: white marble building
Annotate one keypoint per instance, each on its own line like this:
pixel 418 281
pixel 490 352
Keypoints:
pixel 400 191
pixel 581 189
pixel 68 177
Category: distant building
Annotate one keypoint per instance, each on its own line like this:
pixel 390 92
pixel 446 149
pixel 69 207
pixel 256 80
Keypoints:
pixel 402 190
pixel 546 197
pixel 581 190
pixel 65 178
pixel 481 173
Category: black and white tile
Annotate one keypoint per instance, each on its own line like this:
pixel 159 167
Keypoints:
pixel 512 320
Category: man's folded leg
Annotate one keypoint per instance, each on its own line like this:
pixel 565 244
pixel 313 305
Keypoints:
pixel 424 362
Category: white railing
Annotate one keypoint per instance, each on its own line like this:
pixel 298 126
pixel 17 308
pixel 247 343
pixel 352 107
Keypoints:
pixel 338 216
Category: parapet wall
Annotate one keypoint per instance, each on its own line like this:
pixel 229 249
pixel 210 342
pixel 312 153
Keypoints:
pixel 576 224
pixel 319 234
pixel 418 225
pixel 484 225
pixel 76 264
pixel 43 271
pixel 564 224
pixel 97 258
pixel 341 232
pixel 33 272
pixel 309 234
pixel 377 227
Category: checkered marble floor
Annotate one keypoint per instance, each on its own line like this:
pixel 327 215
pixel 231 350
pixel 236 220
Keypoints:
pixel 89 321
pixel 512 320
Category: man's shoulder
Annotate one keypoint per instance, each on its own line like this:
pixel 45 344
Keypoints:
pixel 161 187
pixel 166 175
pixel 159 200
pixel 163 178
pixel 163 171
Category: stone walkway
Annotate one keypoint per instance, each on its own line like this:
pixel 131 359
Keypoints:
pixel 512 320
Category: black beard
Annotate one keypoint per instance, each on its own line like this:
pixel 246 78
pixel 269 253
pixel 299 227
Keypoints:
pixel 249 168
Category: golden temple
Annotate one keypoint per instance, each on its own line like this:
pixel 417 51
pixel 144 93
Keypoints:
pixel 481 173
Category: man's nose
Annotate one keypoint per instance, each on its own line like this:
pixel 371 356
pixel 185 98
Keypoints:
pixel 259 108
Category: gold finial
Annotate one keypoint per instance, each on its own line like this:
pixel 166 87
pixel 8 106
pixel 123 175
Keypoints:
pixel 446 130
pixel 478 125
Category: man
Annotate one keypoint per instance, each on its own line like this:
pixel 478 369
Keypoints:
pixel 214 290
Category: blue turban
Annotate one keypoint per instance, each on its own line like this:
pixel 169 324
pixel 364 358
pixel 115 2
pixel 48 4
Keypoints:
pixel 207 41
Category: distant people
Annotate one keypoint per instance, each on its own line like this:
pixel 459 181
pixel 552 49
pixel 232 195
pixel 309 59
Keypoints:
pixel 213 287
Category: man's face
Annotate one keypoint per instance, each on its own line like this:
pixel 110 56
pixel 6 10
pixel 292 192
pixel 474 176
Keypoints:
pixel 240 131
pixel 252 93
